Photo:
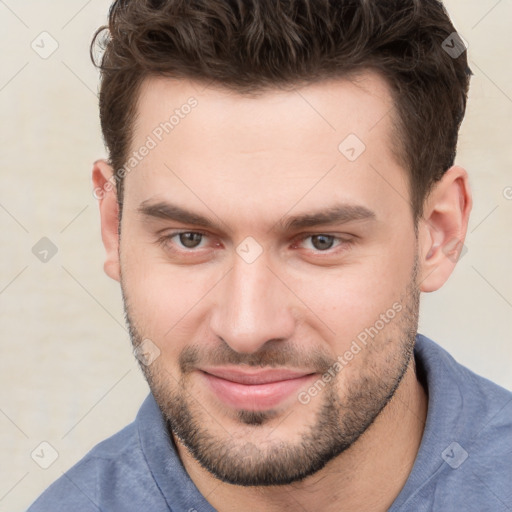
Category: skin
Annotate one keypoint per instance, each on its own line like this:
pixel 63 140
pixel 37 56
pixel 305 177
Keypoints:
pixel 248 163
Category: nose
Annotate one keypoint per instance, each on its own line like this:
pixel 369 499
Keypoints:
pixel 252 306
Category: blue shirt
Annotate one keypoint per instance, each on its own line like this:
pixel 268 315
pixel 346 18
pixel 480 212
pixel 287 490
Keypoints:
pixel 464 461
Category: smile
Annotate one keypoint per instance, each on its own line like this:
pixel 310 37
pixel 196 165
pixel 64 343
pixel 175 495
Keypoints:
pixel 259 390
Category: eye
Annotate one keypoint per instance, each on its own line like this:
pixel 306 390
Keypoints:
pixel 321 242
pixel 183 240
pixel 190 239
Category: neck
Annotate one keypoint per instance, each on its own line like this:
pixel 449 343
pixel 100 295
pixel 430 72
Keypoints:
pixel 366 477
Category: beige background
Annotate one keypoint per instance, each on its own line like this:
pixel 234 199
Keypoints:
pixel 68 375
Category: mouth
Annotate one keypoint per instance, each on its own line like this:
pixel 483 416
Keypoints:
pixel 255 390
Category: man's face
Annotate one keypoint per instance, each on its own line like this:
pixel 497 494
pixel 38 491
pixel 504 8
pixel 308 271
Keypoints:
pixel 280 333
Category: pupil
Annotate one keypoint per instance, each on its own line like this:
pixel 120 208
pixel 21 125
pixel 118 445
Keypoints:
pixel 323 242
pixel 190 240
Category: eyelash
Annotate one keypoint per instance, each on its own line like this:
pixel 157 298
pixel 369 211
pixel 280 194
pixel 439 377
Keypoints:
pixel 343 242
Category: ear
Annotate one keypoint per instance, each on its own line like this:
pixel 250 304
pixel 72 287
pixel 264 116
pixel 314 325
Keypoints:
pixel 105 192
pixel 443 227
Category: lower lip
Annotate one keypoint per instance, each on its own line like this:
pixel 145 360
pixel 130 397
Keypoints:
pixel 255 397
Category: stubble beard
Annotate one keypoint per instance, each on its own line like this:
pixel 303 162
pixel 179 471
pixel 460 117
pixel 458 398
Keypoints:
pixel 337 424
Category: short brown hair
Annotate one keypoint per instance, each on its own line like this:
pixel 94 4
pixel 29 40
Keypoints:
pixel 251 45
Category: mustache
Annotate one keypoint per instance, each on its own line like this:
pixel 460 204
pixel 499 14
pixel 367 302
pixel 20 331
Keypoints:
pixel 271 355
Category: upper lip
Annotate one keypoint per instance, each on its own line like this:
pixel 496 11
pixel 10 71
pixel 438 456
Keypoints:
pixel 255 376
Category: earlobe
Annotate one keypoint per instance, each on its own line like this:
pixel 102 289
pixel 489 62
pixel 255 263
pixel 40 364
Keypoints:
pixel 105 192
pixel 443 227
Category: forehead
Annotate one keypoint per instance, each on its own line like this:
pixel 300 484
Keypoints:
pixel 335 106
pixel 331 137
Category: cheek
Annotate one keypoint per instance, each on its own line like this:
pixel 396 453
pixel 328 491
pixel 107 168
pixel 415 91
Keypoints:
pixel 165 301
pixel 350 299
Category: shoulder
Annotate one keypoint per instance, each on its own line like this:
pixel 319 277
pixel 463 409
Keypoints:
pixel 458 387
pixel 113 474
pixel 468 435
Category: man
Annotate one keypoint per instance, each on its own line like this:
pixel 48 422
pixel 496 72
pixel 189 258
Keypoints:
pixel 280 190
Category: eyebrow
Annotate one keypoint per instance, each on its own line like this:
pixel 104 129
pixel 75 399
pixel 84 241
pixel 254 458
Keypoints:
pixel 337 214
pixel 169 211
